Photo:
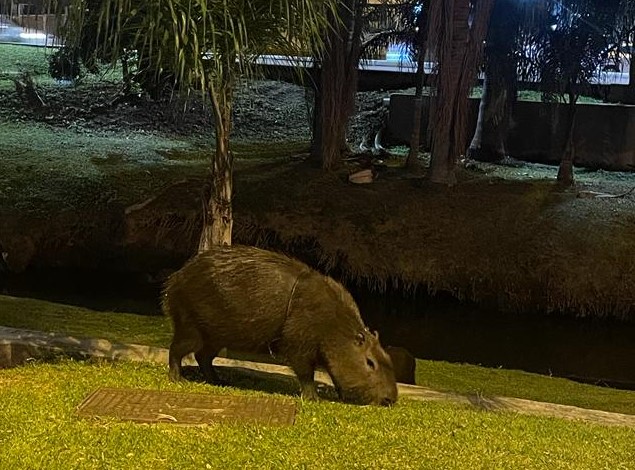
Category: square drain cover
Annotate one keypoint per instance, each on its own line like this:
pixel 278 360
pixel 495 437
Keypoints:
pixel 155 406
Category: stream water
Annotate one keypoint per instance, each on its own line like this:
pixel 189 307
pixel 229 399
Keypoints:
pixel 439 328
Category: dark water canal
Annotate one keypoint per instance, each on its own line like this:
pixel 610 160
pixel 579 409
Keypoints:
pixel 589 350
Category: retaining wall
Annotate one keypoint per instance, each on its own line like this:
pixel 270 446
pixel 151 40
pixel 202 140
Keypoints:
pixel 604 134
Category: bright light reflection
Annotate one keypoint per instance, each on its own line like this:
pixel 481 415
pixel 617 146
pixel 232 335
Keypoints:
pixel 33 35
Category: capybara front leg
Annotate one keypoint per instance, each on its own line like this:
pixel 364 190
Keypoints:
pixel 305 370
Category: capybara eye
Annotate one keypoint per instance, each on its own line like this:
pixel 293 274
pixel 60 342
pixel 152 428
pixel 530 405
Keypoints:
pixel 370 363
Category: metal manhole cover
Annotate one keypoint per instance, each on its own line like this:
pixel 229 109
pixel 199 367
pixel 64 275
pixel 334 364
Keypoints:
pixel 154 406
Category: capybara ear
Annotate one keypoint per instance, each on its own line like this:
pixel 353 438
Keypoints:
pixel 360 338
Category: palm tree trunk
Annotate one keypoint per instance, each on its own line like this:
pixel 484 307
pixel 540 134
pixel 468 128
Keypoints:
pixel 456 37
pixel 333 112
pixel 218 217
pixel 338 83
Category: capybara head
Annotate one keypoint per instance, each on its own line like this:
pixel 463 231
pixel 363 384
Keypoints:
pixel 361 370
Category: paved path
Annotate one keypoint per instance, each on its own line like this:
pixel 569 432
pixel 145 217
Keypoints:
pixel 17 346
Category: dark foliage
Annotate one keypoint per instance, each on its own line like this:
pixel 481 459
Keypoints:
pixel 64 64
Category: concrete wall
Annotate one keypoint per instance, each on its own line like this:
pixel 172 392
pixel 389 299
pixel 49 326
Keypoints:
pixel 604 133
pixel 47 23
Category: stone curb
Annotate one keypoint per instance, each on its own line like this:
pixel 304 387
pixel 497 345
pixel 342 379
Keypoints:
pixel 18 346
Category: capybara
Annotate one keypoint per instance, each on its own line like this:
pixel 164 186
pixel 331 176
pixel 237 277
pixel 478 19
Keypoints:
pixel 403 363
pixel 249 299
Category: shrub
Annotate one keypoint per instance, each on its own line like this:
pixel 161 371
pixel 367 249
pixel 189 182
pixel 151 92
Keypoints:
pixel 64 64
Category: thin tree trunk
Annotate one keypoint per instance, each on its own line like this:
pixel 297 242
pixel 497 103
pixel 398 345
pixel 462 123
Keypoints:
pixel 125 73
pixel 316 125
pixel 499 85
pixel 631 80
pixel 565 169
pixel 218 218
pixel 494 114
pixel 412 161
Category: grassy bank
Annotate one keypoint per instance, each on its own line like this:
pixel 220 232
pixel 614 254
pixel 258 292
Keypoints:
pixel 507 236
pixel 460 378
pixel 504 235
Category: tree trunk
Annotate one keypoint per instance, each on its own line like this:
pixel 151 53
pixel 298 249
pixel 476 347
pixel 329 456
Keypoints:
pixel 338 83
pixel 316 124
pixel 499 85
pixel 126 75
pixel 412 161
pixel 565 169
pixel 631 79
pixel 456 37
pixel 494 114
pixel 218 217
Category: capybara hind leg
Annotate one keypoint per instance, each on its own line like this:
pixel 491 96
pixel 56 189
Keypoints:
pixel 177 353
pixel 204 357
pixel 181 346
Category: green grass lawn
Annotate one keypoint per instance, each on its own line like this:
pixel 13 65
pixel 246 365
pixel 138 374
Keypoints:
pixel 16 59
pixel 460 378
pixel 34 61
pixel 40 430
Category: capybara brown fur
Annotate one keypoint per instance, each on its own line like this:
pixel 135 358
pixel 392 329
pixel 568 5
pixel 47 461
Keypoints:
pixel 248 299
pixel 403 363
